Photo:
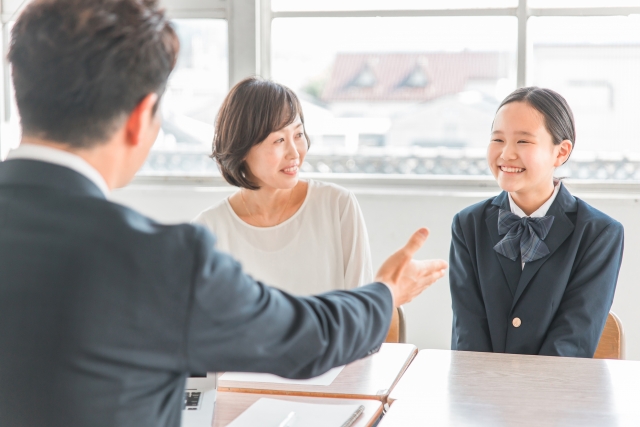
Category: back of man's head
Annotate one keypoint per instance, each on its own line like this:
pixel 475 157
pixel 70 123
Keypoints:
pixel 81 66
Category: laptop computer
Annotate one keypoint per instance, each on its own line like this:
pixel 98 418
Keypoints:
pixel 199 400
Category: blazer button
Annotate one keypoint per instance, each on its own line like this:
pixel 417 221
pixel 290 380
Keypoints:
pixel 516 322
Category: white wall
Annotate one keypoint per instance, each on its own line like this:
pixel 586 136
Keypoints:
pixel 393 213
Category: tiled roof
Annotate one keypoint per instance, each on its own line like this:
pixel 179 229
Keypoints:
pixel 441 161
pixel 397 76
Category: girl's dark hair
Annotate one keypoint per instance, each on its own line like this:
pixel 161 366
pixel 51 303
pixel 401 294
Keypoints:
pixel 252 110
pixel 558 117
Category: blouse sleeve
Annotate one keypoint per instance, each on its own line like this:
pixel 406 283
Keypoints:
pixel 355 246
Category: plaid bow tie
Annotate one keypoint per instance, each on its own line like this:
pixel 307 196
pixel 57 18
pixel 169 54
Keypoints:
pixel 524 236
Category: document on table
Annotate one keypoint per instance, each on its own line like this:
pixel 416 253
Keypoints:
pixel 271 413
pixel 324 379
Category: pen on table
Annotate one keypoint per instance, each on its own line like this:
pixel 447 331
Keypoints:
pixel 352 419
pixel 288 421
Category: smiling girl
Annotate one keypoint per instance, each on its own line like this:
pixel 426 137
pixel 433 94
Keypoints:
pixel 533 270
pixel 307 236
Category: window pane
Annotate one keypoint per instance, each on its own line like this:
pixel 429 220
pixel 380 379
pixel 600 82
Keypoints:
pixel 594 62
pixel 297 5
pixel 194 93
pixel 397 95
pixel 582 3
pixel 10 123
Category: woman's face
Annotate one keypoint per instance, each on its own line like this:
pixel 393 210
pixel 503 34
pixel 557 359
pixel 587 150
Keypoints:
pixel 521 154
pixel 274 162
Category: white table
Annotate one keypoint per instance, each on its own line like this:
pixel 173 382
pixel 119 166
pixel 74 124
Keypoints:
pixel 452 388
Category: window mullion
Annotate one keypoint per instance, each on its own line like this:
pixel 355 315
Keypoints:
pixel 509 11
pixel 522 43
pixel 265 38
pixel 585 11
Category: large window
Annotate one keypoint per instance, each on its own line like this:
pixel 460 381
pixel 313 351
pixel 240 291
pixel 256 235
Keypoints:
pixel 411 87
pixel 402 87
pixel 189 106
pixel 387 95
pixel 595 63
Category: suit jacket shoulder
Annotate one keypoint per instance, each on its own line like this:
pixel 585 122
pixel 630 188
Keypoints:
pixel 475 212
pixel 594 217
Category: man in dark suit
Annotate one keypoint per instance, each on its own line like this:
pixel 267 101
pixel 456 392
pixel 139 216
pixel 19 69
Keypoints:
pixel 104 312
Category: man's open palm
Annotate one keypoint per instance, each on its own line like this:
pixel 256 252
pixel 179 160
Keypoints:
pixel 406 277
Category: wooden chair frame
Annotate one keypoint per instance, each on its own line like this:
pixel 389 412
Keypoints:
pixel 611 344
pixel 398 329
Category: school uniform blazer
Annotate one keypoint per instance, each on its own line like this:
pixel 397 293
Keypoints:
pixel 561 300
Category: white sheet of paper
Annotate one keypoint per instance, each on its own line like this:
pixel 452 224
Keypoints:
pixel 271 412
pixel 324 379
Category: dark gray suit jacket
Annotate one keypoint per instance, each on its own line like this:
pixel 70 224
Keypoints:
pixel 103 312
pixel 562 299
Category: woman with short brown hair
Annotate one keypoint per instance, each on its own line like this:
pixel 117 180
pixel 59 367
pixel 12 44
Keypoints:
pixel 300 234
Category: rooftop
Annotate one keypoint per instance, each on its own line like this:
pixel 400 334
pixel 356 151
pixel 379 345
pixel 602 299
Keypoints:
pixel 409 76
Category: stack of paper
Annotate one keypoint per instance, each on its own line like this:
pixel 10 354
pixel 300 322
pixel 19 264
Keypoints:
pixel 272 412
pixel 324 379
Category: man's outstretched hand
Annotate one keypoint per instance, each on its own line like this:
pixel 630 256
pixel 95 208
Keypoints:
pixel 406 277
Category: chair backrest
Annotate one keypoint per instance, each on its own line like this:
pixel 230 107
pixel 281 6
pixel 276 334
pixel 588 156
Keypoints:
pixel 611 345
pixel 398 329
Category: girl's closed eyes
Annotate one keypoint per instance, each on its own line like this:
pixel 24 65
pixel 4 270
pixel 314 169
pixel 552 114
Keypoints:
pixel 521 139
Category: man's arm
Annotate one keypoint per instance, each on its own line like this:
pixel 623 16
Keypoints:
pixel 237 324
pixel 578 323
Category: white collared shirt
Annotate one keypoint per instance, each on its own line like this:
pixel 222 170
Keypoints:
pixel 60 158
pixel 540 212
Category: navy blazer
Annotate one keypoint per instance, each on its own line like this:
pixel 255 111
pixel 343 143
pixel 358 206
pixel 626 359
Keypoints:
pixel 104 312
pixel 561 300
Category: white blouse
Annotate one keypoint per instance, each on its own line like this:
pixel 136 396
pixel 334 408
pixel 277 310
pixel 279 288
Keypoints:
pixel 324 246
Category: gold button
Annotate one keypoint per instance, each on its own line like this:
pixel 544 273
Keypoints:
pixel 516 322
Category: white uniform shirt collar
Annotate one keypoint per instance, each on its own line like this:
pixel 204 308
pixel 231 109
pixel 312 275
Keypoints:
pixel 60 158
pixel 541 211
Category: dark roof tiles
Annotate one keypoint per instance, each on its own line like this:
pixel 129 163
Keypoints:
pixel 397 76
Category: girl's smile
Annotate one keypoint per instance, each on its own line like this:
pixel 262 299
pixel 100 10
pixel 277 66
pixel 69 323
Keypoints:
pixel 522 155
pixel 511 169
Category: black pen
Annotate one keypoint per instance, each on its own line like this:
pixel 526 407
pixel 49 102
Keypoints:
pixel 352 419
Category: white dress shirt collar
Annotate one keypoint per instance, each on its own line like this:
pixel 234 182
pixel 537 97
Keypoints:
pixel 60 158
pixel 541 211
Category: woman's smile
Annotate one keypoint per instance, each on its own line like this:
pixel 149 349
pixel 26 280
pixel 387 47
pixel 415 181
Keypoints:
pixel 290 170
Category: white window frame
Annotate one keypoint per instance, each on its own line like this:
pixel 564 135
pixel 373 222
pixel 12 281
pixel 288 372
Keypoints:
pixel 249 27
pixel 522 12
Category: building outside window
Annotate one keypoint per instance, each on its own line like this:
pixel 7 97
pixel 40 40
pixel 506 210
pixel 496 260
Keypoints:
pixel 193 96
pixel 392 95
pixel 417 94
